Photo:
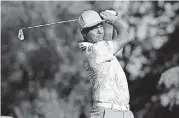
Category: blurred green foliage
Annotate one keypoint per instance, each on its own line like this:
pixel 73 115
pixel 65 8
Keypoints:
pixel 42 76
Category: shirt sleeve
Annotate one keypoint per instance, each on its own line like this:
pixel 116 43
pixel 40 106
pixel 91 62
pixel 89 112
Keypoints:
pixel 103 51
pixel 86 49
pixel 119 53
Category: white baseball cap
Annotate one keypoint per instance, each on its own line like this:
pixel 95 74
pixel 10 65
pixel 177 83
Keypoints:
pixel 89 18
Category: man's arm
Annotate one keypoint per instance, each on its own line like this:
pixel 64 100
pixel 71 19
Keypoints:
pixel 122 37
pixel 114 34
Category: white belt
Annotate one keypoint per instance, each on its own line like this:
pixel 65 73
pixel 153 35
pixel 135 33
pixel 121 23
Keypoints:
pixel 112 106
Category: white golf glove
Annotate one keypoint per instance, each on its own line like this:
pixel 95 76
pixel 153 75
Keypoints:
pixel 108 16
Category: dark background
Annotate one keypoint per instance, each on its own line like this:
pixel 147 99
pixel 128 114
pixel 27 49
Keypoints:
pixel 41 77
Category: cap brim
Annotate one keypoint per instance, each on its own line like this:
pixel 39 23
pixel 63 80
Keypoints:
pixel 93 24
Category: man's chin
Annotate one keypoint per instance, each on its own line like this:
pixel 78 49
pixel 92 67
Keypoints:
pixel 100 39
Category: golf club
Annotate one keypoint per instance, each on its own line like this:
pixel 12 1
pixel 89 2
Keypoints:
pixel 21 34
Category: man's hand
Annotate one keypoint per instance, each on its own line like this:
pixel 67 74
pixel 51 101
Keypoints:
pixel 122 37
pixel 108 17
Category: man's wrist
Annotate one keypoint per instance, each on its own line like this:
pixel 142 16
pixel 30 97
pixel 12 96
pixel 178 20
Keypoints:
pixel 119 23
pixel 114 21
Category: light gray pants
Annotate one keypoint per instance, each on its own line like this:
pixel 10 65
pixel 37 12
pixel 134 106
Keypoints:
pixel 99 112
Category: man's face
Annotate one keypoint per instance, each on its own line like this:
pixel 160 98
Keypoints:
pixel 94 33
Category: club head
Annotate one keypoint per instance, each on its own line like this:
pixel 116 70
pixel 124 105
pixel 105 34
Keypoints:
pixel 21 35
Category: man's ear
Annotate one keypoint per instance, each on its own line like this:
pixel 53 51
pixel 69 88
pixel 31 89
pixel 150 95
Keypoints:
pixel 85 38
pixel 84 35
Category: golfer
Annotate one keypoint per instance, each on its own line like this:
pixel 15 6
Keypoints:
pixel 110 94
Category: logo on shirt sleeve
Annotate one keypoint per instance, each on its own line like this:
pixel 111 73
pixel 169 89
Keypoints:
pixel 85 46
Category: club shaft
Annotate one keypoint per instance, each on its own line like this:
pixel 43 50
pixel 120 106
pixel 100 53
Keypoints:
pixel 50 24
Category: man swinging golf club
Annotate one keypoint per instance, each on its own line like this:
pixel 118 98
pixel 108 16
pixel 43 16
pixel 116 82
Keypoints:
pixel 110 88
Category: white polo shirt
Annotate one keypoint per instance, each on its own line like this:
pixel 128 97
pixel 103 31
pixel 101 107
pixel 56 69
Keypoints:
pixel 107 76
